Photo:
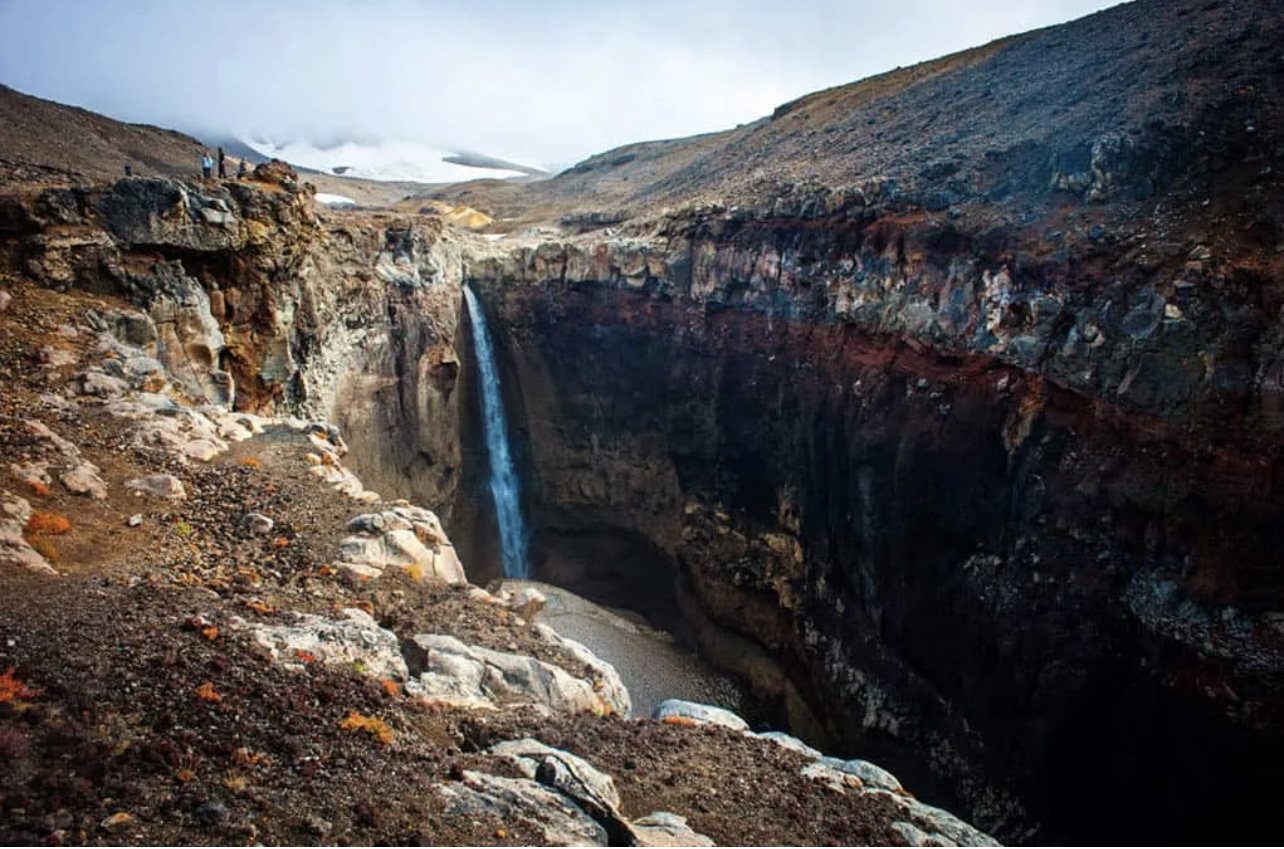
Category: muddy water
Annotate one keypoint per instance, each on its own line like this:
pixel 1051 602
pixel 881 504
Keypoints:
pixel 651 664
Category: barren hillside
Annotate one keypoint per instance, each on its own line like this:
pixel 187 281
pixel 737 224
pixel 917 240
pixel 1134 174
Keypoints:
pixel 994 123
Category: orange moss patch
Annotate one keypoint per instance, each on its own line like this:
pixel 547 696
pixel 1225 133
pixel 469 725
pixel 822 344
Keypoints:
pixel 11 689
pixel 43 523
pixel 305 656
pixel 684 721
pixel 244 757
pixel 259 607
pixel 376 728
pixel 390 686
pixel 38 488
pixel 206 693
pixel 280 543
pixel 210 633
pixel 252 462
pixel 45 548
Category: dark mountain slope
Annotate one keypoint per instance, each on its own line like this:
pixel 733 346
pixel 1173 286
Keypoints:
pixel 39 136
pixel 1140 93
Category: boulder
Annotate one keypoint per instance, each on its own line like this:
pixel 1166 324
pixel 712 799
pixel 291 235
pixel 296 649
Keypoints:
pixel 590 788
pixel 791 743
pixel 693 712
pixel 924 825
pixel 31 473
pixel 55 357
pixel 14 548
pixel 256 524
pixel 233 427
pixel 917 823
pixel 523 800
pixel 448 670
pixel 833 770
pixel 69 452
pixel 527 602
pixel 403 536
pixel 354 642
pixel 662 828
pixel 277 172
pixel 183 432
pixel 606 681
pixel 84 479
pixel 160 486
pixel 96 383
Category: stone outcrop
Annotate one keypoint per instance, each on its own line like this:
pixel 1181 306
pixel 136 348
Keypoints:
pixel 405 537
pixel 14 547
pixel 561 821
pixel 448 670
pixel 250 301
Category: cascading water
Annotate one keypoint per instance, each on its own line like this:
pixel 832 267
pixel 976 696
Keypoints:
pixel 503 477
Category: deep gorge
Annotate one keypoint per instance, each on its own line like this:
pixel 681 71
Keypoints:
pixel 994 516
pixel 1014 593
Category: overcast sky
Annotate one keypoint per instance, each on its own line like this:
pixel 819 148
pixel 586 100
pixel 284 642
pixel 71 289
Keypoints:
pixel 545 81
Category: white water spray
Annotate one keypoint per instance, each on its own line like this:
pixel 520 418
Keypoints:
pixel 503 477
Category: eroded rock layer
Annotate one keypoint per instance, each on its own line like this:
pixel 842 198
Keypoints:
pixel 1012 502
pixel 254 300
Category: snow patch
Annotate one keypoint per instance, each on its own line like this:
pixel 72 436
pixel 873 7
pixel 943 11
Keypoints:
pixel 390 161
pixel 335 200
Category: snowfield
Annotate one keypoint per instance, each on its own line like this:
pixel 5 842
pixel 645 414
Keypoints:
pixel 335 200
pixel 390 161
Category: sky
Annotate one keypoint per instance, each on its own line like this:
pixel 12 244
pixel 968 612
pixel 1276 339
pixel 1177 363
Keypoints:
pixel 544 82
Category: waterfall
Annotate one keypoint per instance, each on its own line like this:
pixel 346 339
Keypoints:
pixel 503 477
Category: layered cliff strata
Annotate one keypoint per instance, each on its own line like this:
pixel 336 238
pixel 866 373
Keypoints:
pixel 252 300
pixel 1005 494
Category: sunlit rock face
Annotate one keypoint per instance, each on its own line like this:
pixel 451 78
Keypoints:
pixel 256 301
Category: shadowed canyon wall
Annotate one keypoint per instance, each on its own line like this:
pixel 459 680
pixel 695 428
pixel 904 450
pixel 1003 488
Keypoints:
pixel 991 509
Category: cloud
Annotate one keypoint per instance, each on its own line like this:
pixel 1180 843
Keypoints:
pixel 551 81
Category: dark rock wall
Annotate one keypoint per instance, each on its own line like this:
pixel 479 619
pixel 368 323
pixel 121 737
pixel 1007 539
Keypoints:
pixel 888 477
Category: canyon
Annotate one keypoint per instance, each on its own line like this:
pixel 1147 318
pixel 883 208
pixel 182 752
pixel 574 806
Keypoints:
pixel 954 435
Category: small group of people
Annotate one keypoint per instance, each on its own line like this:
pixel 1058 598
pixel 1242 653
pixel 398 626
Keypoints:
pixel 207 166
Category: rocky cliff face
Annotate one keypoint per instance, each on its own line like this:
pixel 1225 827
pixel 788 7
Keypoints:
pixel 256 302
pixel 1003 493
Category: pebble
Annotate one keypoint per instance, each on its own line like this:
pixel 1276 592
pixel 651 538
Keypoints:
pixel 313 824
pixel 257 524
pixel 135 520
pixel 117 821
pixel 5 299
pixel 212 813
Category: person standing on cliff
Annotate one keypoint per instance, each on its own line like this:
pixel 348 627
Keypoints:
pixel 207 164
pixel 222 169
pixel 242 170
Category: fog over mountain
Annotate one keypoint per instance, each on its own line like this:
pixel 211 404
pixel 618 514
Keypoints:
pixel 541 83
